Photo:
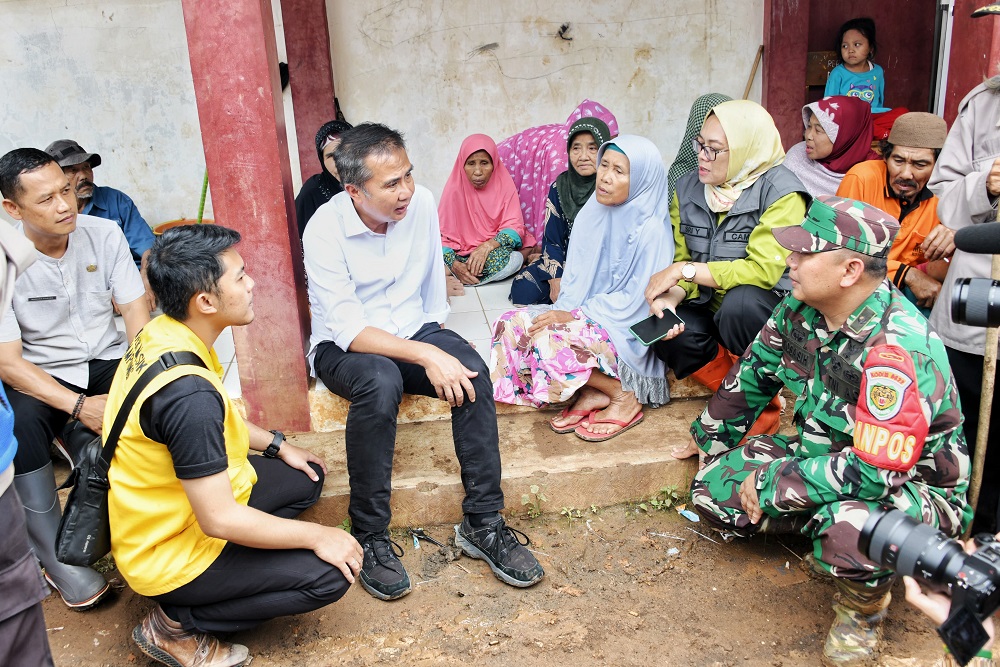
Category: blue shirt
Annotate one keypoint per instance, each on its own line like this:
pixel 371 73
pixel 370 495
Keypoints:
pixel 115 205
pixel 8 443
pixel 868 86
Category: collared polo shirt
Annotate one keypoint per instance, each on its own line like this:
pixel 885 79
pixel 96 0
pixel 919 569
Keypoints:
pixel 117 206
pixel 357 278
pixel 62 307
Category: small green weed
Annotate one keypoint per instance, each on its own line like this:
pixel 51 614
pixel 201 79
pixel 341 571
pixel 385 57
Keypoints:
pixel 345 524
pixel 533 500
pixel 571 514
pixel 664 499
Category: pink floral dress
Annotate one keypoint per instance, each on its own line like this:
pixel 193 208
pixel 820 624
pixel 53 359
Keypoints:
pixel 551 366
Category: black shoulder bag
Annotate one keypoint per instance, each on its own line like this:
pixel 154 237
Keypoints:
pixel 85 533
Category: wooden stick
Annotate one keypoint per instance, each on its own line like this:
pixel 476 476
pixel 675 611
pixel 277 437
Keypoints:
pixel 753 71
pixel 985 404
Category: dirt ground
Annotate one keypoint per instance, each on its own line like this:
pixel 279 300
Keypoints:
pixel 622 587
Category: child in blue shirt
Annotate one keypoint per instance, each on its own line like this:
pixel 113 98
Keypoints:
pixel 856 75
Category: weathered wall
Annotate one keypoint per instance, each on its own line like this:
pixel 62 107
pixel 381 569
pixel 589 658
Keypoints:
pixel 441 70
pixel 115 76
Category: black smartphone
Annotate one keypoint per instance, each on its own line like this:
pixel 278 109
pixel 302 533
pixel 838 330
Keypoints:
pixel 654 328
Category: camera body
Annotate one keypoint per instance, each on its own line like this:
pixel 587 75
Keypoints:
pixel 898 542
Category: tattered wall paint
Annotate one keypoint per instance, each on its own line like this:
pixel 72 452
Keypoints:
pixel 114 76
pixel 440 70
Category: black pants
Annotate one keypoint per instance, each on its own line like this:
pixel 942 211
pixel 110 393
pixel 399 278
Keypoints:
pixel 744 312
pixel 36 423
pixel 375 385
pixel 967 369
pixel 245 586
pixel 22 626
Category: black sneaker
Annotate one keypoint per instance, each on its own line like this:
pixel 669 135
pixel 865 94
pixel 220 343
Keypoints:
pixel 382 574
pixel 498 544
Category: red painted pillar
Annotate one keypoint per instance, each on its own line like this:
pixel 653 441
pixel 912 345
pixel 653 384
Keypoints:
pixel 310 74
pixel 975 53
pixel 786 27
pixel 234 65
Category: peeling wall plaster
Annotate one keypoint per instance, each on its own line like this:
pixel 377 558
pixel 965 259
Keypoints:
pixel 114 76
pixel 440 70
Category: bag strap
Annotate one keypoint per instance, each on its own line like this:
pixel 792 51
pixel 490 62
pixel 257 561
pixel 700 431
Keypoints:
pixel 167 361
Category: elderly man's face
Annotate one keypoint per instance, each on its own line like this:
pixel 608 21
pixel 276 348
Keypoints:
pixel 909 169
pixel 81 177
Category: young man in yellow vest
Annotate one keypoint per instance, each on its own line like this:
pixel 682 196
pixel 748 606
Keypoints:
pixel 196 525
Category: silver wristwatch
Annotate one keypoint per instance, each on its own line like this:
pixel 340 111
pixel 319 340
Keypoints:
pixel 689 271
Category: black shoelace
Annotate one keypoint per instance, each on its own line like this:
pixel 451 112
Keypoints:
pixel 382 546
pixel 508 538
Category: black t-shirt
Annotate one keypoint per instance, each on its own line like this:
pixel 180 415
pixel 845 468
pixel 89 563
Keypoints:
pixel 188 416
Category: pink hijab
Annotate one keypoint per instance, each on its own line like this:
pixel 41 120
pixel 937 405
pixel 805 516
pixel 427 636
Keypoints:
pixel 537 155
pixel 469 216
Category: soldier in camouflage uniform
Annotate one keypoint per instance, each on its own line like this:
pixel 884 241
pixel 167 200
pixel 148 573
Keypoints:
pixel 877 415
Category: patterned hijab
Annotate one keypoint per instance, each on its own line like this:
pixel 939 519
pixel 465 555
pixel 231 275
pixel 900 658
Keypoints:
pixel 574 190
pixel 754 147
pixel 536 156
pixel 469 216
pixel 848 123
pixel 686 161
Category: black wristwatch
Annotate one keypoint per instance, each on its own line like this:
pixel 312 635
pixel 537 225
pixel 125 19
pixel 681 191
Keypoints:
pixel 272 450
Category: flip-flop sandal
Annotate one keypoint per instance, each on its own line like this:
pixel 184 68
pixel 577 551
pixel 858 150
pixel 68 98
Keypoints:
pixel 569 428
pixel 584 434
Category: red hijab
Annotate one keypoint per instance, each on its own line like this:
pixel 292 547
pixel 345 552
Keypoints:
pixel 848 123
pixel 469 216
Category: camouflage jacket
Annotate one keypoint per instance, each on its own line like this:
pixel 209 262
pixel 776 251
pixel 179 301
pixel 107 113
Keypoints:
pixel 823 369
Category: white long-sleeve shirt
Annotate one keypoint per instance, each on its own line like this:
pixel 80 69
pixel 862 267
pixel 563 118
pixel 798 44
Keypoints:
pixel 357 278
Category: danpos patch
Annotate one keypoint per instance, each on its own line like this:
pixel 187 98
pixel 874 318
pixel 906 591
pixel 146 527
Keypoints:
pixel 890 427
pixel 885 389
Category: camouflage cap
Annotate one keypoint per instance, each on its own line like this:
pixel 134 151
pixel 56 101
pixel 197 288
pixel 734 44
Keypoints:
pixel 836 222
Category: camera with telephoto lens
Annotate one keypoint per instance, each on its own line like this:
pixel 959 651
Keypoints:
pixel 897 542
pixel 976 302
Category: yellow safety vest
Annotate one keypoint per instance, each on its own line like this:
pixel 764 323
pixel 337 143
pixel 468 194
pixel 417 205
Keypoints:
pixel 155 538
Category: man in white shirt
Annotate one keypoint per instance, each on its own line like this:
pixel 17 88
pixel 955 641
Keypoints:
pixel 377 294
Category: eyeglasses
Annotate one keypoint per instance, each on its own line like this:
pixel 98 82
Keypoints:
pixel 710 153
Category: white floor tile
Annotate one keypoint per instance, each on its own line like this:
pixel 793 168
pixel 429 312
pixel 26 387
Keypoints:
pixel 120 323
pixel 224 347
pixel 494 295
pixel 483 348
pixel 467 303
pixel 232 381
pixel 470 326
pixel 493 315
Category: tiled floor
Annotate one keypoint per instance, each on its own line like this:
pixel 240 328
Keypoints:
pixel 226 351
pixel 472 317
pixel 473 314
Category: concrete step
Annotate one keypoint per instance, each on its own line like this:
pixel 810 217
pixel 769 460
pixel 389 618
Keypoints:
pixel 568 472
pixel 329 411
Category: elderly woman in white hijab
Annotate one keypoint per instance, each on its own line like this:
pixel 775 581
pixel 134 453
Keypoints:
pixel 581 346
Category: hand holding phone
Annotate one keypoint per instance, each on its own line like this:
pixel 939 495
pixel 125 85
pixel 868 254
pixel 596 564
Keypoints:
pixel 654 328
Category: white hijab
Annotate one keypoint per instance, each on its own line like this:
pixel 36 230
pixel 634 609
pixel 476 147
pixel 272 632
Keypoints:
pixel 614 252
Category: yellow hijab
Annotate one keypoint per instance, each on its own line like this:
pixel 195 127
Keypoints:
pixel 754 147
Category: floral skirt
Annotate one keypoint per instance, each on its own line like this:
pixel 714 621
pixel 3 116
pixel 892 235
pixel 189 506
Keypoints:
pixel 551 366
